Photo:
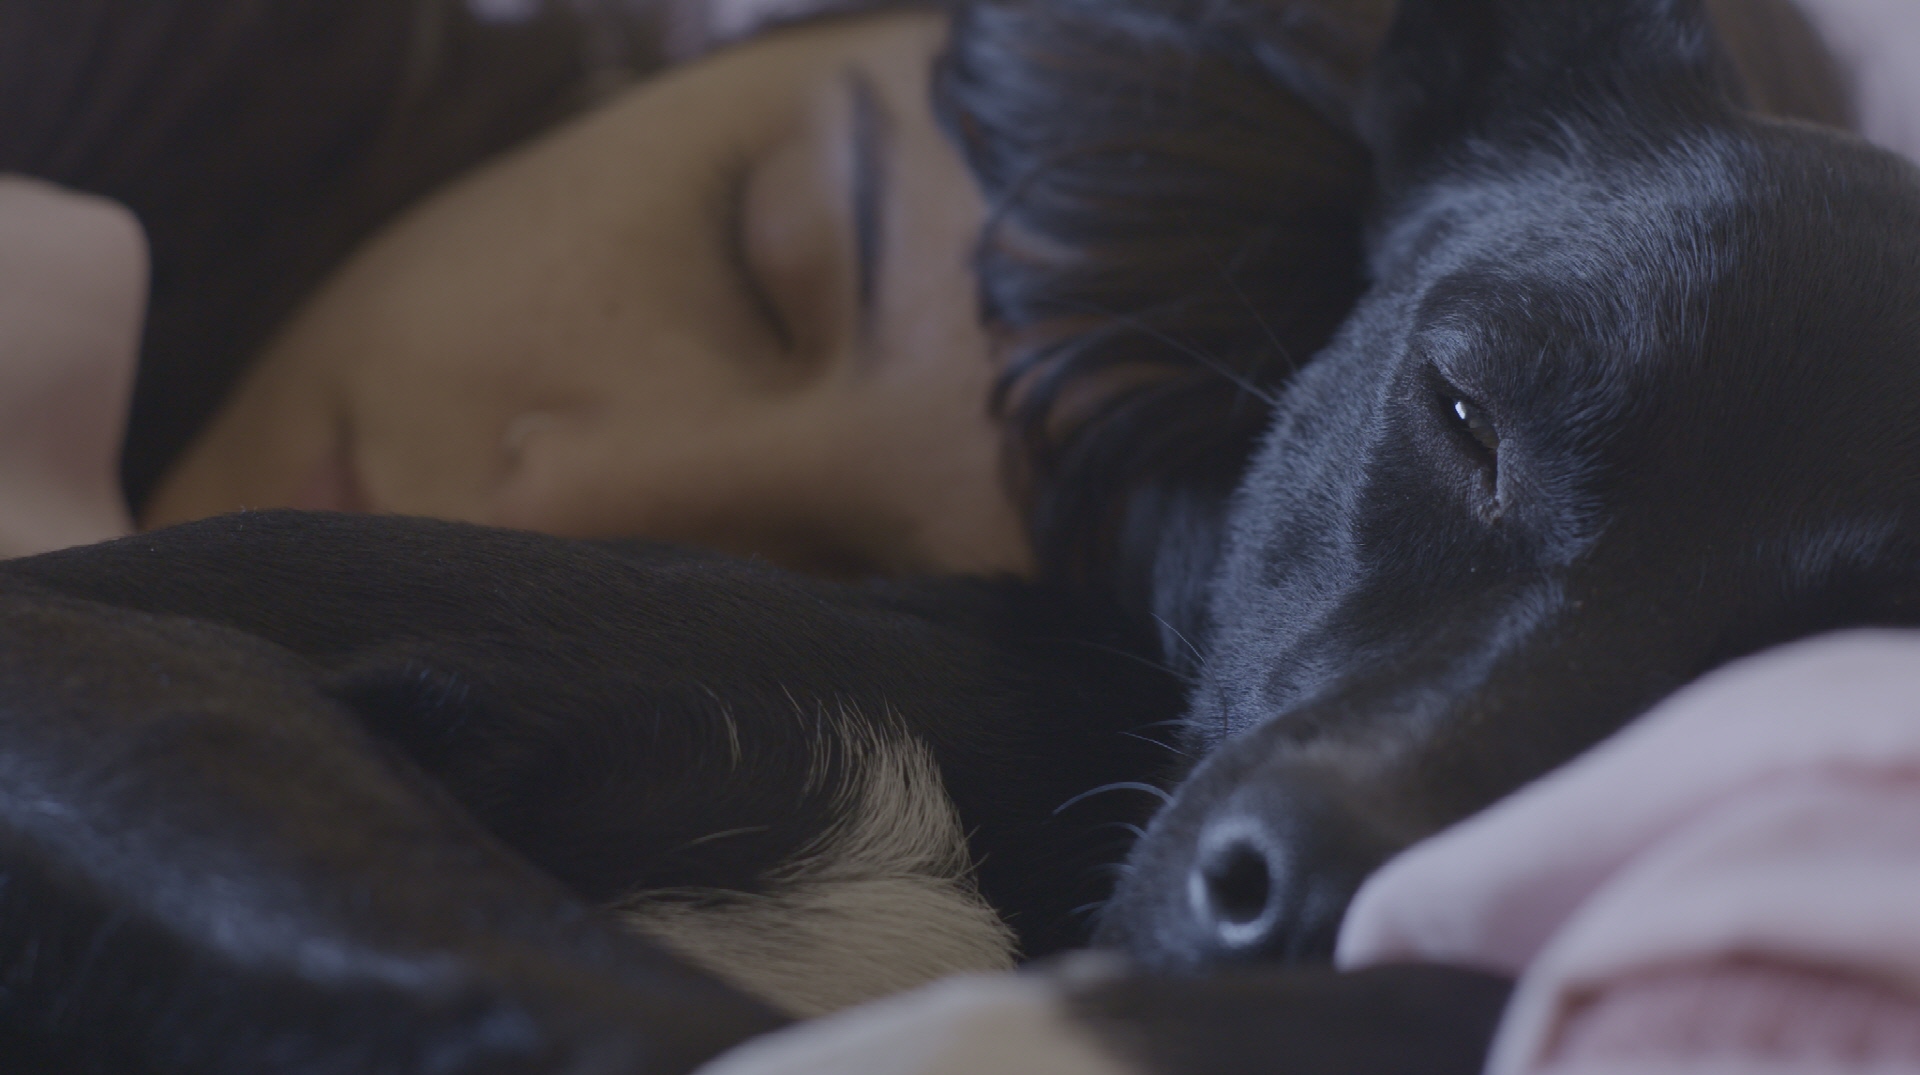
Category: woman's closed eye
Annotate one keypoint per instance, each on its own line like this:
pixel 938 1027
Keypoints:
pixel 804 224
pixel 747 276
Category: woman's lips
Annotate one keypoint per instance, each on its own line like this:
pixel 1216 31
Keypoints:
pixel 333 485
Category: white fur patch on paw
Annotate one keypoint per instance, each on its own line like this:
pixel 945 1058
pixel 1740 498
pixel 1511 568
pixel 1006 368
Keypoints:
pixel 882 902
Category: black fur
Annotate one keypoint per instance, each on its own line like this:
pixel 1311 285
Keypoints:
pixel 1696 336
pixel 229 750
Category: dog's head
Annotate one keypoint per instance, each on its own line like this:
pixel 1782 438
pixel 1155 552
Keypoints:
pixel 1636 391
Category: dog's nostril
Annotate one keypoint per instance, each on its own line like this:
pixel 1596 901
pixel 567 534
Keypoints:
pixel 1238 884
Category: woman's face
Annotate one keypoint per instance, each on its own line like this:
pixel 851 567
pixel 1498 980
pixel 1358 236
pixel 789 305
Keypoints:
pixel 732 307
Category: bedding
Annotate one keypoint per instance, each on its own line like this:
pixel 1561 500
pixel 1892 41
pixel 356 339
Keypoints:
pixel 1877 43
pixel 1726 886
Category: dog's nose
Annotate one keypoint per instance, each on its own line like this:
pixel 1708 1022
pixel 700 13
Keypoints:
pixel 1250 899
pixel 1238 882
pixel 1250 863
pixel 1273 871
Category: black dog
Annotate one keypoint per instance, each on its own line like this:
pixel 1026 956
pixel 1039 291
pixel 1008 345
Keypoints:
pixel 310 792
pixel 255 775
pixel 1637 391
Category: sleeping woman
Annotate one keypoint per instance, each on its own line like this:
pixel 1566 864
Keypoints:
pixel 455 258
pixel 881 288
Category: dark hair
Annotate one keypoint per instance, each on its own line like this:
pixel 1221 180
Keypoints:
pixel 1177 200
pixel 1178 196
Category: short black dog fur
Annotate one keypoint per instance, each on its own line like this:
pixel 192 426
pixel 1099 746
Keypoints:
pixel 228 751
pixel 1636 391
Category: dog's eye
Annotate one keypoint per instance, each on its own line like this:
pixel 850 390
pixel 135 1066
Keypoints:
pixel 1478 425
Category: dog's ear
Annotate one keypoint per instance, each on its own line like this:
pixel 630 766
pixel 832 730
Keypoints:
pixel 1455 74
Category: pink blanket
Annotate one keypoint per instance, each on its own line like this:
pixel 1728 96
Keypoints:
pixel 1878 43
pixel 1731 885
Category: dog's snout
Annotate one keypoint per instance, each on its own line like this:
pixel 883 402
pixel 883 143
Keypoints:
pixel 1263 872
pixel 1273 883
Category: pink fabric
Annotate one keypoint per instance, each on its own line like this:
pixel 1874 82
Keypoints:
pixel 1878 43
pixel 1730 885
pixel 1739 1015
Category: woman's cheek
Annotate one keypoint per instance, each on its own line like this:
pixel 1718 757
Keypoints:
pixel 73 276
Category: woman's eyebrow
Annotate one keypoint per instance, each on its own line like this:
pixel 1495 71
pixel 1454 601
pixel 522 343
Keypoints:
pixel 872 140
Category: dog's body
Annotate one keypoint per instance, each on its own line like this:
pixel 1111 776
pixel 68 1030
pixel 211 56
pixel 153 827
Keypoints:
pixel 1637 390
pixel 791 783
